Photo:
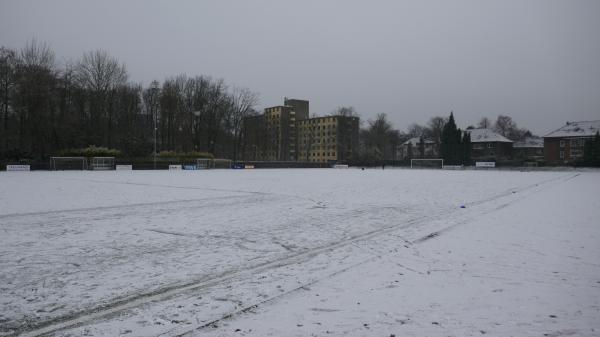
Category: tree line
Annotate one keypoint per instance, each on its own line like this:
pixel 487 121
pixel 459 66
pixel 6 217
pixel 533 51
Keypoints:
pixel 379 139
pixel 49 108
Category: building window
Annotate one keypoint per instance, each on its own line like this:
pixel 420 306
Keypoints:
pixel 477 146
pixel 576 153
pixel 577 142
pixel 561 154
pixel 491 145
pixel 562 144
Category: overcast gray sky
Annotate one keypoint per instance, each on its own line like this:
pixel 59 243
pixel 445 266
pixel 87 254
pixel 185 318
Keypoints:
pixel 537 61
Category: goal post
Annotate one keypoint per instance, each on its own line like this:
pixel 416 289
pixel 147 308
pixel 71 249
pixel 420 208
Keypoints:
pixel 102 163
pixel 68 163
pixel 427 163
pixel 222 163
pixel 203 163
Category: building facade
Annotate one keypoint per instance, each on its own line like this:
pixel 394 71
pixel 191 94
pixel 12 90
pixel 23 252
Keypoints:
pixel 300 106
pixel 280 131
pixel 328 139
pixel 286 133
pixel 565 144
pixel 487 145
pixel 530 149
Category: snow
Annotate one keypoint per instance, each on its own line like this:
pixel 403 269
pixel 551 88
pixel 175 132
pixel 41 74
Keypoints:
pixel 576 129
pixel 300 252
pixel 486 135
pixel 530 142
pixel 415 141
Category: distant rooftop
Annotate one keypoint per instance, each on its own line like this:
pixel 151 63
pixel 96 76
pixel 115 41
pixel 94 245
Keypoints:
pixel 530 142
pixel 416 140
pixel 576 129
pixel 487 135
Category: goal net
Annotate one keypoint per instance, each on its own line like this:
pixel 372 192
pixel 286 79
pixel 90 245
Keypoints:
pixel 203 163
pixel 427 163
pixel 103 163
pixel 222 163
pixel 68 163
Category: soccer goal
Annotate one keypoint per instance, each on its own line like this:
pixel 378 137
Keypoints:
pixel 427 163
pixel 222 163
pixel 102 163
pixel 68 163
pixel 203 163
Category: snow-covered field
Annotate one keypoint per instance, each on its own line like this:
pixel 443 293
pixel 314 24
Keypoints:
pixel 315 252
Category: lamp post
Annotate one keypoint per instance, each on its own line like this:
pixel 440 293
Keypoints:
pixel 155 130
pixel 196 114
pixel 155 143
pixel 155 93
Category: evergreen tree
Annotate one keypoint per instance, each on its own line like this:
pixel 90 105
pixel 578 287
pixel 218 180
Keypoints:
pixel 466 144
pixel 451 146
pixel 591 151
pixel 446 139
pixel 458 148
pixel 596 152
pixel 588 151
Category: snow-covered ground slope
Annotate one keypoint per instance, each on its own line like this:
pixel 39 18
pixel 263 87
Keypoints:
pixel 300 252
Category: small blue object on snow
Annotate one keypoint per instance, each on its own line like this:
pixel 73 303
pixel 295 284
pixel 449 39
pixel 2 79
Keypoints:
pixel 462 206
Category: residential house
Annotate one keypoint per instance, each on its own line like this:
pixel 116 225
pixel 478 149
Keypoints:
pixel 417 148
pixel 488 145
pixel 565 144
pixel 530 149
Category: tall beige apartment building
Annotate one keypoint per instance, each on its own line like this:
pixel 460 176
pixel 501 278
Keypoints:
pixel 286 133
pixel 328 139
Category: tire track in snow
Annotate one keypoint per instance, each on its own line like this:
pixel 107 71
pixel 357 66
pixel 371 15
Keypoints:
pixel 380 254
pixel 437 233
pixel 425 238
pixel 318 204
pixel 85 316
pixel 116 207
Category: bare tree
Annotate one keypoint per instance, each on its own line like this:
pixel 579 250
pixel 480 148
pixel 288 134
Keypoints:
pixel 242 105
pixel 171 112
pixel 484 123
pixel 416 130
pixel 504 125
pixel 218 102
pixel 37 55
pixel 435 126
pixel 151 103
pixel 100 74
pixel 346 111
pixel 35 91
pixel 378 135
pixel 8 68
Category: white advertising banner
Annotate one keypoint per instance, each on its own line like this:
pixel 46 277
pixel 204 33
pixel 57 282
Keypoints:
pixel 485 164
pixel 18 168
